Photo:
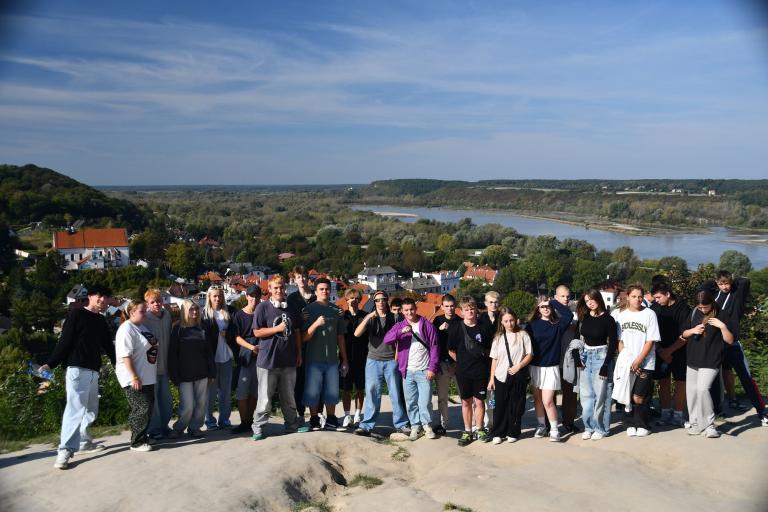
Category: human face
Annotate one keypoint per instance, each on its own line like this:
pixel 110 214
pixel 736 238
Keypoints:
pixel 705 309
pixel 300 280
pixel 545 310
pixel 492 304
pixel 591 303
pixel 409 312
pixel 155 306
pixel 217 300
pixel 252 300
pixel 395 310
pixel 635 300
pixel 509 322
pixel 323 292
pixel 469 312
pixel 352 301
pixel 562 294
pixel 662 299
pixel 724 285
pixel 382 304
pixel 138 313
pixel 277 290
pixel 97 302
pixel 449 308
pixel 194 314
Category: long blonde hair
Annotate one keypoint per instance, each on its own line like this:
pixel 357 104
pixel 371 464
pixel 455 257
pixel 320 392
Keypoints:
pixel 185 307
pixel 213 290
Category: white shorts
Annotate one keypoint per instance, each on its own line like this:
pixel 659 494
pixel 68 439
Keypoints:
pixel 545 377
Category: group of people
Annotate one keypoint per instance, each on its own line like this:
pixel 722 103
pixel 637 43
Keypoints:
pixel 311 353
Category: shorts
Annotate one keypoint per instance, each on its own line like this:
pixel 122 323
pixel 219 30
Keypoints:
pixel 677 368
pixel 356 376
pixel 472 387
pixel 643 386
pixel 545 377
pixel 247 383
pixel 321 384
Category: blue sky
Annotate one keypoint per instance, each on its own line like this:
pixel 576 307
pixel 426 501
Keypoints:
pixel 349 91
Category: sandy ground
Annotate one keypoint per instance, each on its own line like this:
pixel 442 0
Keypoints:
pixel 665 471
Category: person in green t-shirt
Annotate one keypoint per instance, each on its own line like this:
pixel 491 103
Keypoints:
pixel 324 336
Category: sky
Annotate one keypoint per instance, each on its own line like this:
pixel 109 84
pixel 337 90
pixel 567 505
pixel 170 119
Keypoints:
pixel 313 92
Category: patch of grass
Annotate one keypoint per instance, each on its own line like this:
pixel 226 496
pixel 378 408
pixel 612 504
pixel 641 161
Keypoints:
pixel 367 482
pixel 14 445
pixel 401 454
pixel 314 506
pixel 459 508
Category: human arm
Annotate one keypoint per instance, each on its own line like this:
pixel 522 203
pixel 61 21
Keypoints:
pixel 726 332
pixel 613 342
pixel 313 327
pixel 527 358
pixel 363 325
pixel 65 345
pixel 173 355
pixel 135 380
pixel 396 332
pixel 430 335
pixel 297 339
pixel 342 343
pixel 491 382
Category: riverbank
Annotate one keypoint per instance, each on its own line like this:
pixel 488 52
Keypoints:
pixel 343 472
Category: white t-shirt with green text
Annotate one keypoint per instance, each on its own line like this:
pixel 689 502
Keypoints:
pixel 637 327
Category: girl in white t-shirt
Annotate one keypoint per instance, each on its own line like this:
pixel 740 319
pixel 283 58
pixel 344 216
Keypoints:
pixel 510 355
pixel 638 332
pixel 136 371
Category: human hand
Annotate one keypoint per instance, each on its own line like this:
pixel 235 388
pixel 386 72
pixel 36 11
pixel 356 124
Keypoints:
pixel 665 355
pixel 716 322
pixel 443 326
pixel 491 385
pixel 698 330
pixel 603 372
pixel 636 366
pixel 136 384
pixel 320 321
pixel 430 375
pixel 512 370
pixel 406 329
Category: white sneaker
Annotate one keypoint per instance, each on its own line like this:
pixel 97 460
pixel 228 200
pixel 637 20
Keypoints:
pixel 141 448
pixel 358 418
pixel 416 433
pixel 712 433
pixel 62 460
pixel 764 421
pixel 597 436
pixel 631 431
pixel 347 422
pixel 586 436
pixel 554 436
pixel 430 433
pixel 322 421
pixel 541 431
pixel 643 432
pixel 511 439
pixel 496 440
pixel 91 447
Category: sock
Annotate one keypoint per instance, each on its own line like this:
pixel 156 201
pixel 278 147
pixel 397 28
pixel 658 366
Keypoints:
pixel 540 419
pixel 346 413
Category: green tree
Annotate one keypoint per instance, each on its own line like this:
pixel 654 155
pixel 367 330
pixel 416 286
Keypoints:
pixel 735 262
pixel 35 311
pixel 520 302
pixel 587 274
pixel 496 256
pixel 182 259
pixel 446 243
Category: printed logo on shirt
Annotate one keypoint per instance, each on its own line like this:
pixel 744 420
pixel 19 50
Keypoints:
pixel 283 318
pixel 479 338
pixel 636 326
pixel 152 351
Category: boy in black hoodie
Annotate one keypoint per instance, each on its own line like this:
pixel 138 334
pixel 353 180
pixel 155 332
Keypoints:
pixel 731 295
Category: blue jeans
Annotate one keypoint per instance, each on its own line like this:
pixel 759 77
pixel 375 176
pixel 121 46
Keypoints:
pixel 377 372
pixel 163 410
pixel 595 392
pixel 222 387
pixel 321 380
pixel 82 387
pixel 192 396
pixel 418 397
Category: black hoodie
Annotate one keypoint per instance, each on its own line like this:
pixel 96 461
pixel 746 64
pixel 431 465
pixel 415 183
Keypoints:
pixel 673 320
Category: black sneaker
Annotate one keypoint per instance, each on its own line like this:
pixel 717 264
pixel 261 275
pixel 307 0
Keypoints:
pixel 439 430
pixel 241 429
pixel 360 431
pixel 465 438
pixel 314 423
pixel 332 424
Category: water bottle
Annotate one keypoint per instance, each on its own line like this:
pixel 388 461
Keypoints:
pixel 491 399
pixel 34 370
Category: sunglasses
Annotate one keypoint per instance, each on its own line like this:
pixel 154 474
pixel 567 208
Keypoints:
pixel 215 287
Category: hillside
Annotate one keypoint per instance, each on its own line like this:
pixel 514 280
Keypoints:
pixel 32 194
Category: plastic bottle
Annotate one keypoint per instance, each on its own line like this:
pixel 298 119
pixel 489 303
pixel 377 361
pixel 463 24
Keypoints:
pixel 34 370
pixel 491 399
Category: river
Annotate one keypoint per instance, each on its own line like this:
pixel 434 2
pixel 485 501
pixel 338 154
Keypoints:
pixel 695 248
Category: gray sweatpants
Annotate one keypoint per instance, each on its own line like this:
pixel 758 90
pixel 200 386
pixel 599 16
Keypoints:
pixel 283 380
pixel 700 407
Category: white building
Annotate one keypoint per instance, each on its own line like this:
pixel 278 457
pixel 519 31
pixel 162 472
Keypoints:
pixel 379 278
pixel 447 280
pixel 93 248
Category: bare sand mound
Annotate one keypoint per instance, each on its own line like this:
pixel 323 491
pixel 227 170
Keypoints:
pixel 667 471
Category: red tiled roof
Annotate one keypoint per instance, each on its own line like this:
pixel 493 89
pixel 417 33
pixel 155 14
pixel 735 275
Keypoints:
pixel 343 304
pixel 91 237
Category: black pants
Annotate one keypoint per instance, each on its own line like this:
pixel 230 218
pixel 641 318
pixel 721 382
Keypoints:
pixel 141 403
pixel 641 413
pixel 733 357
pixel 510 406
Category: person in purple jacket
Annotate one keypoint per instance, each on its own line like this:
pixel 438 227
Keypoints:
pixel 418 357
